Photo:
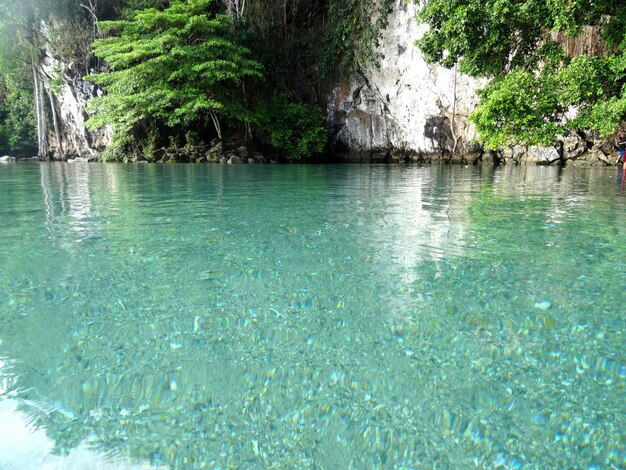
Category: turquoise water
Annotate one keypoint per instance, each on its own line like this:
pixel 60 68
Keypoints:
pixel 191 316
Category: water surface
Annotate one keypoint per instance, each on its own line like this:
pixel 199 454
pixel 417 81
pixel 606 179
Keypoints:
pixel 311 316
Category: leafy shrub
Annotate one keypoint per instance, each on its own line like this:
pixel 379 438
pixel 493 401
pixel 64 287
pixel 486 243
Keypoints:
pixel 297 129
pixel 17 122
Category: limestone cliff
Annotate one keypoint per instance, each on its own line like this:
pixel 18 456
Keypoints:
pixel 67 94
pixel 402 110
pixel 408 110
pixel 405 108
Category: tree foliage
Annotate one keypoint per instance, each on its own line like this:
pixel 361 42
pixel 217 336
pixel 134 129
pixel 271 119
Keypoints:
pixel 175 65
pixel 304 42
pixel 284 37
pixel 538 90
pixel 352 33
pixel 17 117
pixel 299 130
pixel 27 27
pixel 179 66
pixel 19 42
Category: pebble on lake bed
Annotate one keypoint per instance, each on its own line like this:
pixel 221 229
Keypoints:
pixel 543 305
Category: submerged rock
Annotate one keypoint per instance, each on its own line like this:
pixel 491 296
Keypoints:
pixel 543 305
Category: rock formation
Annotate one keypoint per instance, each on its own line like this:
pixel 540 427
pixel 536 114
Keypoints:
pixel 408 110
pixel 405 108
pixel 69 95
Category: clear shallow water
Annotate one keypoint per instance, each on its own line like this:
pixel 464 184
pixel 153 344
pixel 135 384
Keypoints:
pixel 311 316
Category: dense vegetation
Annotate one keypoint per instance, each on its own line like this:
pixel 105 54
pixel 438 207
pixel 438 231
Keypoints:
pixel 540 88
pixel 174 66
pixel 23 127
pixel 182 72
pixel 17 117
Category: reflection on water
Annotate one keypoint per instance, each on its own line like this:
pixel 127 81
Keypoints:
pixel 25 446
pixel 67 197
pixel 325 316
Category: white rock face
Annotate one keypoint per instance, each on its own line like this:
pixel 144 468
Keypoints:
pixel 70 95
pixel 406 104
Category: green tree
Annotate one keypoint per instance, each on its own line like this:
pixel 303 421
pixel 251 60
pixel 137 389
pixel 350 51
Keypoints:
pixel 173 65
pixel 299 130
pixel 22 40
pixel 352 33
pixel 19 62
pixel 17 117
pixel 539 90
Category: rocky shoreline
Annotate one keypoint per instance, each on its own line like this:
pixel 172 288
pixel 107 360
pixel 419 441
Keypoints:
pixel 573 151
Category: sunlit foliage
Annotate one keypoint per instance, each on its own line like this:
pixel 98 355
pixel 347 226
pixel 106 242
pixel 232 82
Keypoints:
pixel 539 90
pixel 174 64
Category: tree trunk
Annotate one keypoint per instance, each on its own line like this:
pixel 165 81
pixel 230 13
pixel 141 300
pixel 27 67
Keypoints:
pixel 453 127
pixel 42 130
pixel 92 8
pixel 55 123
pixel 216 123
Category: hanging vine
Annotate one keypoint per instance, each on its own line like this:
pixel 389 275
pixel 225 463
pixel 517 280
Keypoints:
pixel 352 33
